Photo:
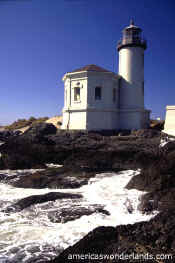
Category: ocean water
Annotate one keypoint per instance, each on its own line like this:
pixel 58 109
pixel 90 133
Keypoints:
pixel 29 236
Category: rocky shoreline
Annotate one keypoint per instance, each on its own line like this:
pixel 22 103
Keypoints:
pixel 82 156
pixel 151 241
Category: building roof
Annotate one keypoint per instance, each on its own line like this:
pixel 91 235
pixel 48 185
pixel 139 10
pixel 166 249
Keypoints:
pixel 91 67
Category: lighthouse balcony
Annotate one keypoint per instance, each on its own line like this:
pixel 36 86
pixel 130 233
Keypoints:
pixel 131 42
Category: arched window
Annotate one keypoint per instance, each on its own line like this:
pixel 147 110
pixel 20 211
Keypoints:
pixel 98 93
pixel 76 93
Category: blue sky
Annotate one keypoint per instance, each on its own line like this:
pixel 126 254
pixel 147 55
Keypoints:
pixel 40 40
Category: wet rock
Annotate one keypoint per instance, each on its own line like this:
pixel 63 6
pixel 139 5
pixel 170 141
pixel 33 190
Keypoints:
pixel 64 215
pixel 32 259
pixel 53 178
pixel 14 250
pixel 158 179
pixel 2 177
pixel 93 243
pixel 4 259
pixel 19 257
pixel 143 238
pixel 158 200
pixel 129 206
pixel 38 199
pixel 33 249
pixel 38 259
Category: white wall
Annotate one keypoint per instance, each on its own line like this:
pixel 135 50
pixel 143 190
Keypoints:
pixel 107 83
pixel 98 120
pixel 75 120
pixel 89 113
pixel 70 82
pixel 131 96
pixel 131 64
pixel 131 68
pixel 104 114
pixel 169 126
pixel 134 119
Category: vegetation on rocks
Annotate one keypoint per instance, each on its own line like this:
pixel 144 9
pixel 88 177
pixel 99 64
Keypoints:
pixel 20 123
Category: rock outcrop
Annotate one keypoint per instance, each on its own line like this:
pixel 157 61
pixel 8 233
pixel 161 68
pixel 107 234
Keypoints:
pixel 53 178
pixel 64 215
pixel 39 145
pixel 38 199
pixel 84 154
pixel 151 241
pixel 158 179
pixel 6 134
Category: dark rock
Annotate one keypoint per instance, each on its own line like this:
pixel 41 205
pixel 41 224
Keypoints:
pixel 158 179
pixel 147 133
pixel 158 200
pixel 64 215
pixel 146 239
pixel 60 177
pixel 33 249
pixel 18 161
pixel 41 129
pixel 29 150
pixel 19 257
pixel 95 242
pixel 4 259
pixel 124 132
pixel 157 124
pixel 169 147
pixel 91 151
pixel 2 177
pixel 21 153
pixel 6 134
pixel 37 199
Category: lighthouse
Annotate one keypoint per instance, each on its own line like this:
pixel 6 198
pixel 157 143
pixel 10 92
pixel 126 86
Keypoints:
pixel 131 69
pixel 98 99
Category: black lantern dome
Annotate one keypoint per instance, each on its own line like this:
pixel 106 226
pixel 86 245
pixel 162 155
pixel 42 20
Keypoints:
pixel 132 37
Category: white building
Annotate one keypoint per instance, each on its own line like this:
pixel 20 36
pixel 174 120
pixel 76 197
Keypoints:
pixel 98 99
pixel 169 126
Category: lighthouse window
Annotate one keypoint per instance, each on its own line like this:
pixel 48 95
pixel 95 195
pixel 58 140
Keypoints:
pixel 114 95
pixel 76 94
pixel 98 93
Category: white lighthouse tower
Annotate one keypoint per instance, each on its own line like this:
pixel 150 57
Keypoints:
pixel 131 69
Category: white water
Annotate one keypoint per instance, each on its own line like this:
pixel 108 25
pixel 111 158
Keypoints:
pixel 31 228
pixel 165 140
